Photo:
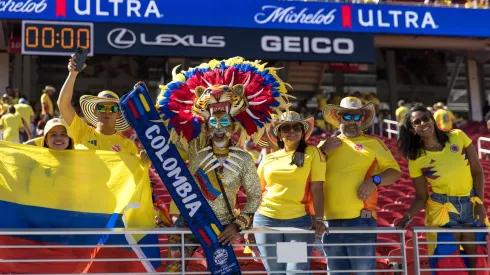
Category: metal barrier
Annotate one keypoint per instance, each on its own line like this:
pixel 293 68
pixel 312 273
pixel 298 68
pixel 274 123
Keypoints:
pixel 183 260
pixel 480 149
pixel 389 130
pixel 418 258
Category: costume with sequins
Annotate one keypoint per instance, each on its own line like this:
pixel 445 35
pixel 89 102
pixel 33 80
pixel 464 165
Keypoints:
pixel 232 95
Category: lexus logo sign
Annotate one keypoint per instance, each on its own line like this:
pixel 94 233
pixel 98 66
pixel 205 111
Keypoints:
pixel 121 38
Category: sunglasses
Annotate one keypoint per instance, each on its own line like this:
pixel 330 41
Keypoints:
pixel 224 121
pixel 287 128
pixel 419 121
pixel 349 117
pixel 104 108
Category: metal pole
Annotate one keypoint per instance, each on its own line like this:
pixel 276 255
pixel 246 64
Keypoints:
pixel 416 253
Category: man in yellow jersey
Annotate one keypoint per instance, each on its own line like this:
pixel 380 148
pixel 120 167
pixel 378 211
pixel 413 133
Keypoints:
pixel 356 165
pixel 401 111
pixel 443 118
pixel 11 124
pixel 46 102
pixel 102 111
pixel 27 114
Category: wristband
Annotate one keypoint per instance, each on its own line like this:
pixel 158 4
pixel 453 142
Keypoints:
pixel 321 219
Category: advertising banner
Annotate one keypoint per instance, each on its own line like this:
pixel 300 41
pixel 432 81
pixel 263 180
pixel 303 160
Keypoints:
pixel 149 40
pixel 264 14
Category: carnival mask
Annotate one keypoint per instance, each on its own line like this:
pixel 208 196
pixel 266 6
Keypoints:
pixel 220 126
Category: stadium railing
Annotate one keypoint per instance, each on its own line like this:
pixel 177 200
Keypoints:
pixel 420 262
pixel 480 148
pixel 389 128
pixel 381 231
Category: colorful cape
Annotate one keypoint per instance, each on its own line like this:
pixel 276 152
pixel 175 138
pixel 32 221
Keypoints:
pixel 42 188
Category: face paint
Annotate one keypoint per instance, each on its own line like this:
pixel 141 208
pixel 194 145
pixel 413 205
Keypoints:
pixel 220 126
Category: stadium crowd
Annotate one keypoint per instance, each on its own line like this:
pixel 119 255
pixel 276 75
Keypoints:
pixel 333 184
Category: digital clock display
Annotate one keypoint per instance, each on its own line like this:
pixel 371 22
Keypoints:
pixel 56 38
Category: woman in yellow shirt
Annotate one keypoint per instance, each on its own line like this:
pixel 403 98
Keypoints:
pixel 449 162
pixel 291 180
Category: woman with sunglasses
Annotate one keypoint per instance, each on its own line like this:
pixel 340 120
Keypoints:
pixel 292 185
pixel 449 163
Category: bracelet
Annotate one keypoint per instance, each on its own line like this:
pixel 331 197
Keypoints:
pixel 321 219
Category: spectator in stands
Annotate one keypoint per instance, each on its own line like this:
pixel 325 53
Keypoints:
pixel 46 102
pixel 6 101
pixel 449 163
pixel 291 179
pixel 16 97
pixel 11 124
pixel 356 165
pixel 55 136
pixel 102 111
pixel 401 111
pixel 443 118
pixel 27 114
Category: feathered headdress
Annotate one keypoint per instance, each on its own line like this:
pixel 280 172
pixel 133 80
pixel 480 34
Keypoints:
pixel 262 92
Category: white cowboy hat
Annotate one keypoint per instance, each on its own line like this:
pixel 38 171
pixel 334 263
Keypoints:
pixel 331 113
pixel 308 125
pixel 89 102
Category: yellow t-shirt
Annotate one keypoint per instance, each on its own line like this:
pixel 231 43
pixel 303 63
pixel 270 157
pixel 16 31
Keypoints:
pixel 448 171
pixel 46 100
pixel 348 166
pixel 11 125
pixel 443 119
pixel 86 138
pixel 25 111
pixel 285 187
pixel 400 114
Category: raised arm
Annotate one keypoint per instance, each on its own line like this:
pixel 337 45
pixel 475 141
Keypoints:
pixel 64 100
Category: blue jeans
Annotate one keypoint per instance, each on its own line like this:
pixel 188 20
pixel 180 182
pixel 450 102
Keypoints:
pixel 352 251
pixel 270 251
pixel 462 204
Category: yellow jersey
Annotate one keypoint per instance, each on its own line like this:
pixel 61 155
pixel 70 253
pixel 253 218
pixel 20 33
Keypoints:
pixel 46 100
pixel 86 138
pixel 286 187
pixel 400 114
pixel 25 111
pixel 348 166
pixel 444 119
pixel 448 171
pixel 11 124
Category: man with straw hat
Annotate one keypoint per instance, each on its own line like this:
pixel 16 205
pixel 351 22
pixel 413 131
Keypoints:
pixel 356 165
pixel 102 111
pixel 46 103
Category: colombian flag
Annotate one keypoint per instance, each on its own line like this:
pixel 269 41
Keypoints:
pixel 437 216
pixel 43 188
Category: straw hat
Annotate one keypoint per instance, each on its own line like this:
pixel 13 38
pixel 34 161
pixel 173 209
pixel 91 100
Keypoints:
pixel 47 88
pixel 331 113
pixel 50 125
pixel 308 125
pixel 88 103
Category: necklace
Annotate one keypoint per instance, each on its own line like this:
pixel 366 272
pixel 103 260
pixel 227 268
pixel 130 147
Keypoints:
pixel 432 146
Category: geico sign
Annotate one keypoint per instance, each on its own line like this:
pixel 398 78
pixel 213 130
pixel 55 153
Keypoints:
pixel 296 44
